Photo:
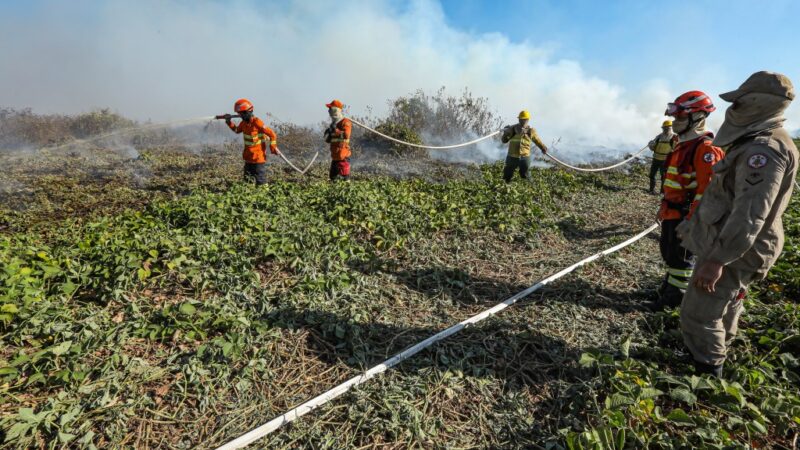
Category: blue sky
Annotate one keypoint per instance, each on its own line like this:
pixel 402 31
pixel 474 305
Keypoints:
pixel 592 72
pixel 634 40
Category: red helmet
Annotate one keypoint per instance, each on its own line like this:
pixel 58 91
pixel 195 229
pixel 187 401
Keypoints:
pixel 242 105
pixel 690 102
pixel 335 104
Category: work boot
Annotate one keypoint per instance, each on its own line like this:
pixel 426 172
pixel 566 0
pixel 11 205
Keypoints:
pixel 708 369
pixel 669 295
pixel 671 298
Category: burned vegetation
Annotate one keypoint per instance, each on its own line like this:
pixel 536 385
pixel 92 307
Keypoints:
pixel 149 298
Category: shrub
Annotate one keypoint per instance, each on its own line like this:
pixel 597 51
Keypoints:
pixel 443 115
pixel 96 122
pixel 21 128
pixel 397 131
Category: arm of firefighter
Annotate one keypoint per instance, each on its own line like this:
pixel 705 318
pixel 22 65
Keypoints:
pixel 348 128
pixel 508 133
pixel 344 133
pixel 762 172
pixel 538 141
pixel 652 144
pixel 273 139
pixel 706 157
pixel 235 128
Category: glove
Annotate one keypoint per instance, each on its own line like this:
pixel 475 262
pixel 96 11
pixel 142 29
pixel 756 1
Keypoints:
pixel 274 150
pixel 228 119
pixel 544 150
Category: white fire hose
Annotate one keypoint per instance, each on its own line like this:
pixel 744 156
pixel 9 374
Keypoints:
pixel 475 141
pixel 305 408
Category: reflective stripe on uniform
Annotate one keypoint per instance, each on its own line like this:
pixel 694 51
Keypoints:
pixel 698 197
pixel 672 184
pixel 672 170
pixel 339 140
pixel 677 283
pixel 520 144
pixel 663 149
pixel 685 273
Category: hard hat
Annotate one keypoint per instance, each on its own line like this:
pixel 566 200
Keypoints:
pixel 667 123
pixel 524 114
pixel 335 104
pixel 765 83
pixel 242 105
pixel 690 102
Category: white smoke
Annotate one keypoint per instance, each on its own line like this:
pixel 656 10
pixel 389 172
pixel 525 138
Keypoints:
pixel 165 60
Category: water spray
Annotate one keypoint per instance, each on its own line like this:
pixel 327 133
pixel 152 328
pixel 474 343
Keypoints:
pixel 123 131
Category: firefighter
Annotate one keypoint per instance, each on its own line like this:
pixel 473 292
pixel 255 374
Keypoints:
pixel 519 138
pixel 256 136
pixel 689 170
pixel 338 136
pixel 737 231
pixel 662 146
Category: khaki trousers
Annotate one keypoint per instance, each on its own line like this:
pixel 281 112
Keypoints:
pixel 710 320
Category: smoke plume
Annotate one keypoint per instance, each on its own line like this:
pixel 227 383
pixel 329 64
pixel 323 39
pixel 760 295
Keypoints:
pixel 166 60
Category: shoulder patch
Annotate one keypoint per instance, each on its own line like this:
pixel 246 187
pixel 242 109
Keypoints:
pixel 757 161
pixel 709 157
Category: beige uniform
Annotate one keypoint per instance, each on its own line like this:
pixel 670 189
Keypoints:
pixel 738 224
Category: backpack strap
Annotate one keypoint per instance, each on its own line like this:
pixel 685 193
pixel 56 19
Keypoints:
pixel 689 156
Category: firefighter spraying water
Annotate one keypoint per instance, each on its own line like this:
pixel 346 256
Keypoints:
pixel 256 137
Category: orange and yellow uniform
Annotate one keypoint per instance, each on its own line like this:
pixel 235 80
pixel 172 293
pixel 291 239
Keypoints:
pixel 257 137
pixel 339 139
pixel 689 171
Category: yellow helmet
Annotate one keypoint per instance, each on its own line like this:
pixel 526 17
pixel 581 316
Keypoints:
pixel 524 115
pixel 667 123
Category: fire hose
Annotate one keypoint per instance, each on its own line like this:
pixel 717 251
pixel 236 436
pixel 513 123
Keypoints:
pixel 228 117
pixel 597 169
pixel 302 172
pixel 432 147
pixel 475 141
pixel 305 408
